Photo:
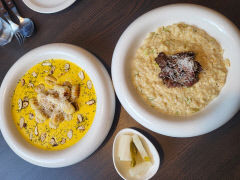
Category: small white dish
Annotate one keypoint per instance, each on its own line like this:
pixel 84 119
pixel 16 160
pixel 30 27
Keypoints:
pixel 48 6
pixel 219 111
pixel 151 150
pixel 102 120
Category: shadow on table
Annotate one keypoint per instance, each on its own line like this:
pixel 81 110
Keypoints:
pixel 154 142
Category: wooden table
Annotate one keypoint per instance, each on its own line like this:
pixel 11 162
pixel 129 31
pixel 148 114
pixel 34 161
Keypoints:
pixel 97 26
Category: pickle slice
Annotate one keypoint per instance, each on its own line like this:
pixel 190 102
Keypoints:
pixel 133 150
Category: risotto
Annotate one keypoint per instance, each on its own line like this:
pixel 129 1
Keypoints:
pixel 172 39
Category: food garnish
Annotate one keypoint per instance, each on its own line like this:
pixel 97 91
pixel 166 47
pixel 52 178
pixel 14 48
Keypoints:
pixel 46 63
pixel 70 134
pixel 91 102
pixel 22 82
pixel 21 122
pixel 81 128
pixel 89 84
pixel 81 75
pixel 180 69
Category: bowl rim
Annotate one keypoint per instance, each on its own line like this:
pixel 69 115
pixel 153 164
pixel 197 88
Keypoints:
pixel 203 122
pixel 104 112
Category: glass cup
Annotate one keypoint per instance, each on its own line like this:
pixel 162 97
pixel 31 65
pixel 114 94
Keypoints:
pixel 6 32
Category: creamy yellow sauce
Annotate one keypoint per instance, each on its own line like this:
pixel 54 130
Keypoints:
pixel 176 38
pixel 26 90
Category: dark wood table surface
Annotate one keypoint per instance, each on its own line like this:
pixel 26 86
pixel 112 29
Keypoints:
pixel 96 25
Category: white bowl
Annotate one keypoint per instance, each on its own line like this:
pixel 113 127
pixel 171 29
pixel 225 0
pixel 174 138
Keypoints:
pixel 219 111
pixel 104 111
pixel 153 153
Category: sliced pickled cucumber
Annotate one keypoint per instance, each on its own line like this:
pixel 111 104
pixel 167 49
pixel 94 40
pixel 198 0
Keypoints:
pixel 133 150
pixel 124 152
pixel 140 148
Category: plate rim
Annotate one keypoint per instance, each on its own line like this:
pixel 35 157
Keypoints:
pixel 108 114
pixel 48 10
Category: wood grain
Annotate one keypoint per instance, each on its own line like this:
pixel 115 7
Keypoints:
pixel 96 25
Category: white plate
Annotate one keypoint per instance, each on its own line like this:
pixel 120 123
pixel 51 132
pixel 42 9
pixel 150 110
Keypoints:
pixel 219 111
pixel 102 120
pixel 48 6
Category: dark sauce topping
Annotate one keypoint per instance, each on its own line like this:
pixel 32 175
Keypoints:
pixel 178 70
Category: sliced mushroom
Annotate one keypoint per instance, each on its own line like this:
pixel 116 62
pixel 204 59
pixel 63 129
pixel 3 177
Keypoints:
pixel 21 122
pixel 36 131
pixel 25 104
pixel 81 75
pixel 22 82
pixel 34 74
pixel 20 104
pixel 80 118
pixel 53 142
pixel 91 102
pixel 89 84
pixel 70 134
pixel 81 128
pixel 67 67
pixel 63 141
pixel 46 64
pixel 43 136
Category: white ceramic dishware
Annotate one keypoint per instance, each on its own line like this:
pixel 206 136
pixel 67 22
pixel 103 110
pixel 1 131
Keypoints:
pixel 102 120
pixel 219 111
pixel 46 6
pixel 152 151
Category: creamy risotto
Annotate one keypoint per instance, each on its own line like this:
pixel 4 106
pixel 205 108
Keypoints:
pixel 177 38
pixel 54 104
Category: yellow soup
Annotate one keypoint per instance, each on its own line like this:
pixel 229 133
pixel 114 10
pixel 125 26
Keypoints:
pixel 68 132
